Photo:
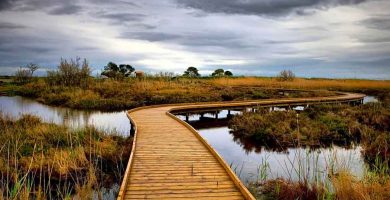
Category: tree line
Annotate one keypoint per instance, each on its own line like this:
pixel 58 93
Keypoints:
pixel 76 72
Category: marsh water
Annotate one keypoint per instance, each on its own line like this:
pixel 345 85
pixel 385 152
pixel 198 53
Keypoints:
pixel 248 160
pixel 16 106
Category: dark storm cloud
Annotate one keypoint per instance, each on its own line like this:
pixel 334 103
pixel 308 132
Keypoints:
pixel 6 25
pixel 65 9
pixel 4 4
pixel 122 17
pixel 13 44
pixel 293 41
pixel 264 7
pixel 150 36
pixel 214 39
pixel 53 7
pixel 191 39
pixel 377 22
pixel 24 48
pixel 373 39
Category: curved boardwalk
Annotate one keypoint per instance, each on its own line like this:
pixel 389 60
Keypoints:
pixel 170 160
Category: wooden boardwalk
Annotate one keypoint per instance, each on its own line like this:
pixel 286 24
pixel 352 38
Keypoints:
pixel 170 160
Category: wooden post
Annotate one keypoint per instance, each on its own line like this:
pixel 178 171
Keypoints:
pixel 132 130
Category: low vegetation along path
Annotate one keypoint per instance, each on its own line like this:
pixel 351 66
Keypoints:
pixel 170 159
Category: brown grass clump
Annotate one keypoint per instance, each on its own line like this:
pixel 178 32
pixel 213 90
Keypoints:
pixel 282 189
pixel 347 186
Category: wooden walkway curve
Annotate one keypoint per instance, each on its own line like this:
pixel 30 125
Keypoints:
pixel 170 160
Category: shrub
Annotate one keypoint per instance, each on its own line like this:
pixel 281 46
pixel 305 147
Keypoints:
pixel 22 76
pixel 70 73
pixel 286 75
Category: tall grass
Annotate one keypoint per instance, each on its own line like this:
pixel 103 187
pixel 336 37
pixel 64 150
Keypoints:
pixel 302 83
pixel 107 94
pixel 47 161
pixel 312 182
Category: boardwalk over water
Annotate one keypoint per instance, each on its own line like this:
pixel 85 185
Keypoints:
pixel 170 160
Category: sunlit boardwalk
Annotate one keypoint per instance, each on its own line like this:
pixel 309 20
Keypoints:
pixel 170 160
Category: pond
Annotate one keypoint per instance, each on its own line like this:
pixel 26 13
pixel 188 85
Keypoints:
pixel 248 160
pixel 16 106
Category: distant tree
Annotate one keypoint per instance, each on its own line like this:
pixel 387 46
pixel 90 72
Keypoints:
pixel 32 67
pixel 191 72
pixel 218 73
pixel 113 71
pixel 126 69
pixel 286 75
pixel 228 73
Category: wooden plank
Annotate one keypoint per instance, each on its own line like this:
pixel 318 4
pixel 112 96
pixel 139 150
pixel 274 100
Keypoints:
pixel 170 160
pixel 192 195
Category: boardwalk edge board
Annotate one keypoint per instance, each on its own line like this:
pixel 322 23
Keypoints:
pixel 341 97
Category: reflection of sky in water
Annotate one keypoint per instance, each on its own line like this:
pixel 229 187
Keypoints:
pixel 368 99
pixel 246 164
pixel 221 114
pixel 16 106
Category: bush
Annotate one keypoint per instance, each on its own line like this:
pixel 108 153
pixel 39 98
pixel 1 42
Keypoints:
pixel 70 73
pixel 22 76
pixel 286 75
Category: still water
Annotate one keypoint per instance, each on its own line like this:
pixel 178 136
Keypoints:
pixel 252 162
pixel 247 160
pixel 110 121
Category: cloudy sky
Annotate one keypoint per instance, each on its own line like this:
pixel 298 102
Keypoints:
pixel 314 38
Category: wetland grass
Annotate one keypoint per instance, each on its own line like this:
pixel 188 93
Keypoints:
pixel 366 125
pixel 47 161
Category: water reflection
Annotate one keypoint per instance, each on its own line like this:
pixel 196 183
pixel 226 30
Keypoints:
pixel 246 158
pixel 370 99
pixel 16 106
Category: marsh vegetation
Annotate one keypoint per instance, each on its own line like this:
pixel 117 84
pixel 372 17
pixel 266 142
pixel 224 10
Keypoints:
pixel 46 161
pixel 319 127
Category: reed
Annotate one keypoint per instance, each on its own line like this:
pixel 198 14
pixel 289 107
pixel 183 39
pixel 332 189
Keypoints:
pixel 303 83
pixel 47 161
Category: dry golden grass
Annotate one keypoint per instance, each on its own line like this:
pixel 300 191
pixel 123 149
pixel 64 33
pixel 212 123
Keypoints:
pixel 301 83
pixel 348 187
